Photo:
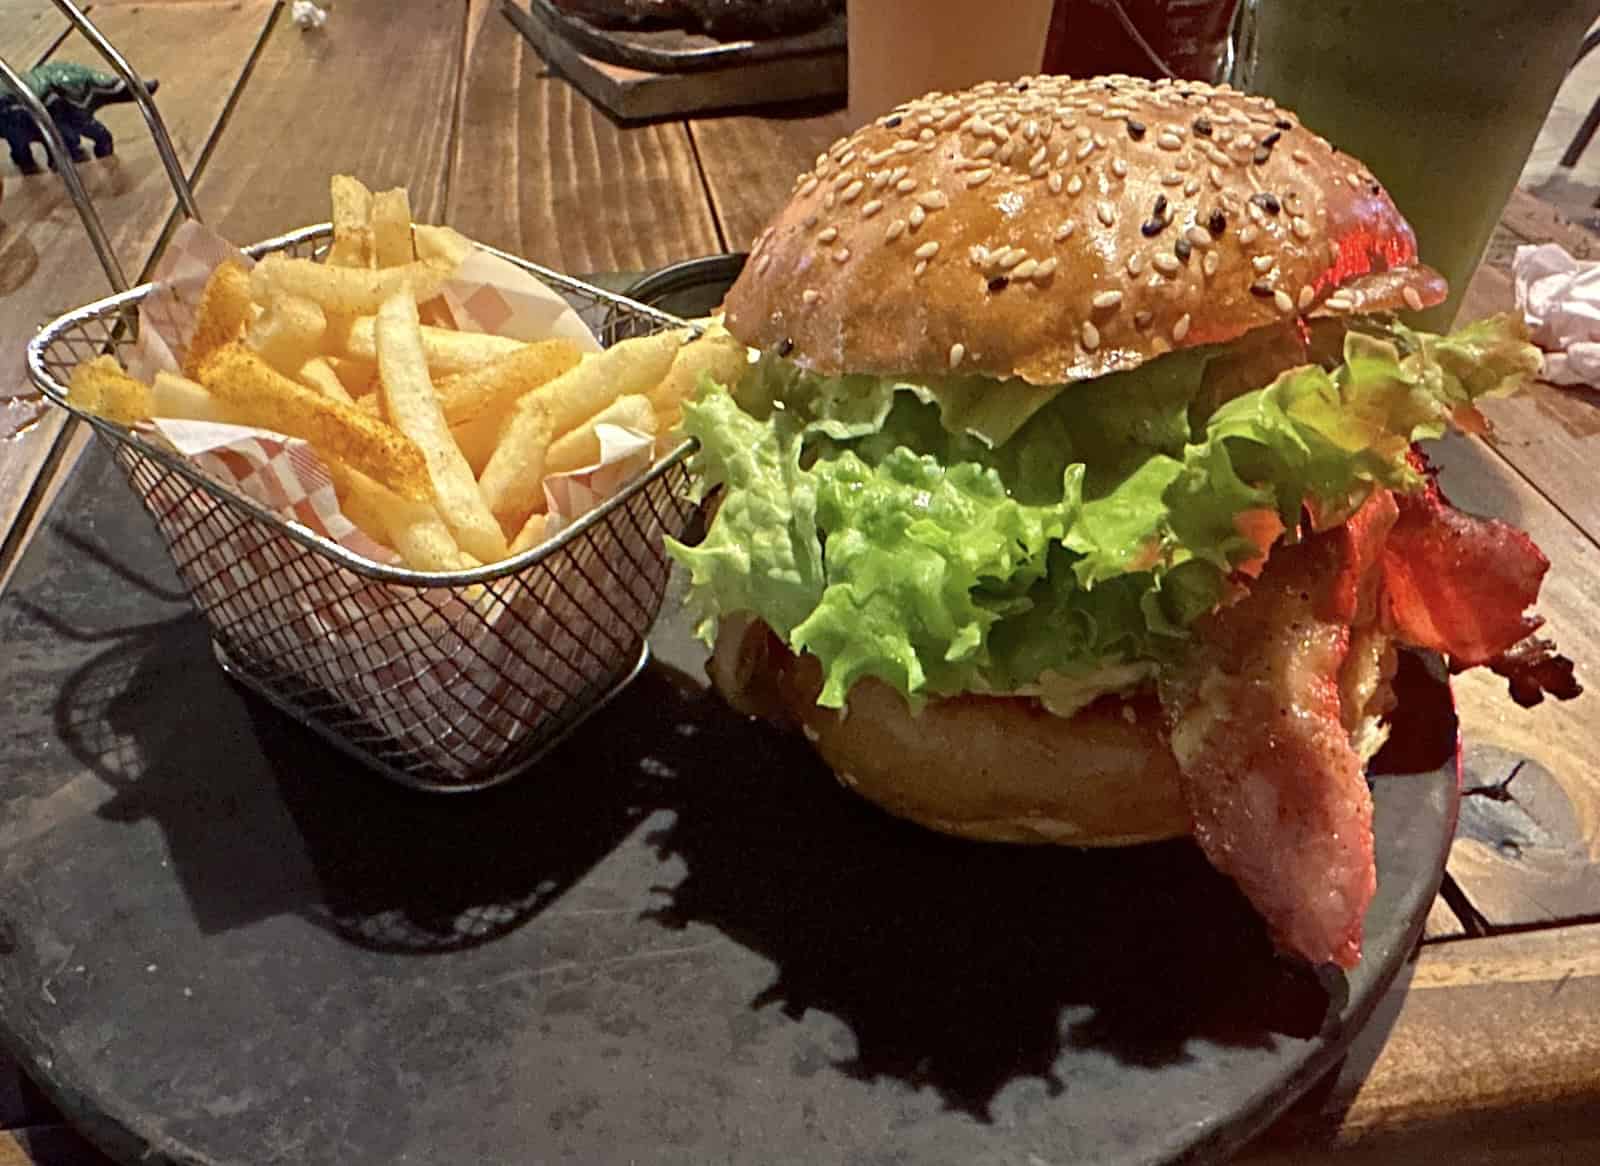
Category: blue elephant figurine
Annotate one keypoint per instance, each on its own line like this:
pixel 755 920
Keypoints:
pixel 72 94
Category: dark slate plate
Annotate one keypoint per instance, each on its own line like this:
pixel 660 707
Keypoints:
pixel 678 941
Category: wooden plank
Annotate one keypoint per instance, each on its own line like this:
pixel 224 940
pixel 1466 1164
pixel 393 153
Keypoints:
pixel 28 30
pixel 46 263
pixel 751 163
pixel 1528 854
pixel 540 172
pixel 1494 1044
pixel 1538 222
pixel 1442 922
pixel 48 1146
pixel 370 94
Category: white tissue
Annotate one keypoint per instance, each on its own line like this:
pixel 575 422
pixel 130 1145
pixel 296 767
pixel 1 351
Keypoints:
pixel 1559 297
pixel 308 15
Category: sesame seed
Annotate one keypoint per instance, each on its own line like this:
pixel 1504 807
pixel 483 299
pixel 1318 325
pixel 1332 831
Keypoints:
pixel 1283 300
pixel 1106 301
pixel 1307 294
pixel 933 200
pixel 922 265
pixel 871 208
pixel 806 187
pixel 1248 236
pixel 828 235
pixel 906 185
pixel 841 255
pixel 1197 235
pixel 1261 289
pixel 905 147
pixel 1084 151
pixel 1065 230
pixel 829 200
pixel 1355 183
pixel 1210 263
pixel 1166 264
pixel 1263 264
pixel 1090 337
pixel 1182 248
pixel 810 296
pixel 998 284
pixel 952 119
pixel 1216 177
pixel 1055 183
pixel 1025 269
pixel 1301 157
pixel 1119 167
pixel 979 177
pixel 1038 157
pixel 958 352
pixel 845 179
pixel 810 221
pixel 925 134
pixel 1045 270
pixel 1010 257
pixel 764 263
pixel 785 346
pixel 1171 178
pixel 896 229
pixel 1181 328
pixel 1169 141
pixel 1191 187
pixel 1271 139
pixel 892 121
pixel 1074 185
pixel 1202 126
pixel 1266 201
pixel 1413 299
pixel 1300 227
pixel 1135 264
pixel 1030 129
pixel 1339 302
pixel 1150 228
pixel 880 180
pixel 927 250
pixel 1083 133
pixel 1106 213
pixel 987 150
pixel 1142 320
pixel 1135 129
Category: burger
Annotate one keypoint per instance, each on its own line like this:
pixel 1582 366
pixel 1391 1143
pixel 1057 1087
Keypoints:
pixel 1072 493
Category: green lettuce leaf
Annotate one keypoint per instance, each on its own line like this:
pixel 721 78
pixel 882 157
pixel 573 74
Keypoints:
pixel 872 526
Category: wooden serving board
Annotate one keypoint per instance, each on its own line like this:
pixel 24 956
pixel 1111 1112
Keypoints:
pixel 812 67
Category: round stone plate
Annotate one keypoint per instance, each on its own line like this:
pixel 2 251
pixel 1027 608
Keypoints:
pixel 677 941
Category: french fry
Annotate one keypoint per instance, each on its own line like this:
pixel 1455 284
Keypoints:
pixel 359 377
pixel 288 332
pixel 717 354
pixel 352 223
pixel 101 386
pixel 414 529
pixel 497 385
pixel 446 350
pixel 531 534
pixel 477 438
pixel 509 483
pixel 224 310
pixel 318 374
pixel 254 393
pixel 442 244
pixel 179 398
pixel 409 400
pixel 581 447
pixel 345 291
pixel 391 228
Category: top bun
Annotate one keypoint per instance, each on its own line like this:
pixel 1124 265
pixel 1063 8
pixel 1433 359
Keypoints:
pixel 1056 230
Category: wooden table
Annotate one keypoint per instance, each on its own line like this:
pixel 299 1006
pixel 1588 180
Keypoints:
pixel 1489 1048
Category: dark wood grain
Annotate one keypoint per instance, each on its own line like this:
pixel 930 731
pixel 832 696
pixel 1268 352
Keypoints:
pixel 46 263
pixel 1490 1053
pixel 540 172
pixel 28 30
pixel 369 94
pixel 751 163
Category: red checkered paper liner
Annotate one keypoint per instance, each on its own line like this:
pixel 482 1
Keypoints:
pixel 453 675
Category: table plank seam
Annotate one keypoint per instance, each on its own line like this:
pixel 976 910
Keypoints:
pixel 705 185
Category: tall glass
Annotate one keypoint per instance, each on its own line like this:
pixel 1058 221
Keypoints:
pixel 1443 99
pixel 901 49
pixel 1145 38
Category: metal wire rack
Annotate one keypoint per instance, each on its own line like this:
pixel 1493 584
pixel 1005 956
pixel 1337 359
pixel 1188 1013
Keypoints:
pixel 442 681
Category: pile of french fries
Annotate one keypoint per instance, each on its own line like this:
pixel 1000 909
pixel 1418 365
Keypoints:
pixel 438 441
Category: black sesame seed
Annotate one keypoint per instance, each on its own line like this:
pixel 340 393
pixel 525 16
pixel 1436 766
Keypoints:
pixel 1262 290
pixel 1284 125
pixel 1261 155
pixel 1135 129
pixel 1152 228
pixel 1022 86
pixel 1182 249
pixel 785 346
pixel 1267 201
pixel 1218 222
pixel 1202 126
pixel 999 283
pixel 1271 139
pixel 1161 207
pixel 1376 189
pixel 894 121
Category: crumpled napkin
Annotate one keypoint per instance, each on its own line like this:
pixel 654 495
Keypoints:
pixel 1559 297
pixel 308 15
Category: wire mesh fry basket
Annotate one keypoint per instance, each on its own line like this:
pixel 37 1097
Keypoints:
pixel 442 681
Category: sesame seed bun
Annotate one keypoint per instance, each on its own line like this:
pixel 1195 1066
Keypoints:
pixel 1058 230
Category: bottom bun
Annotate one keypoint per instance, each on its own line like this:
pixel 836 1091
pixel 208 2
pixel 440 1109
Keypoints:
pixel 1000 769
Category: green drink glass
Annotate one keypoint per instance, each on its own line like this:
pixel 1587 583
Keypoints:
pixel 1442 99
